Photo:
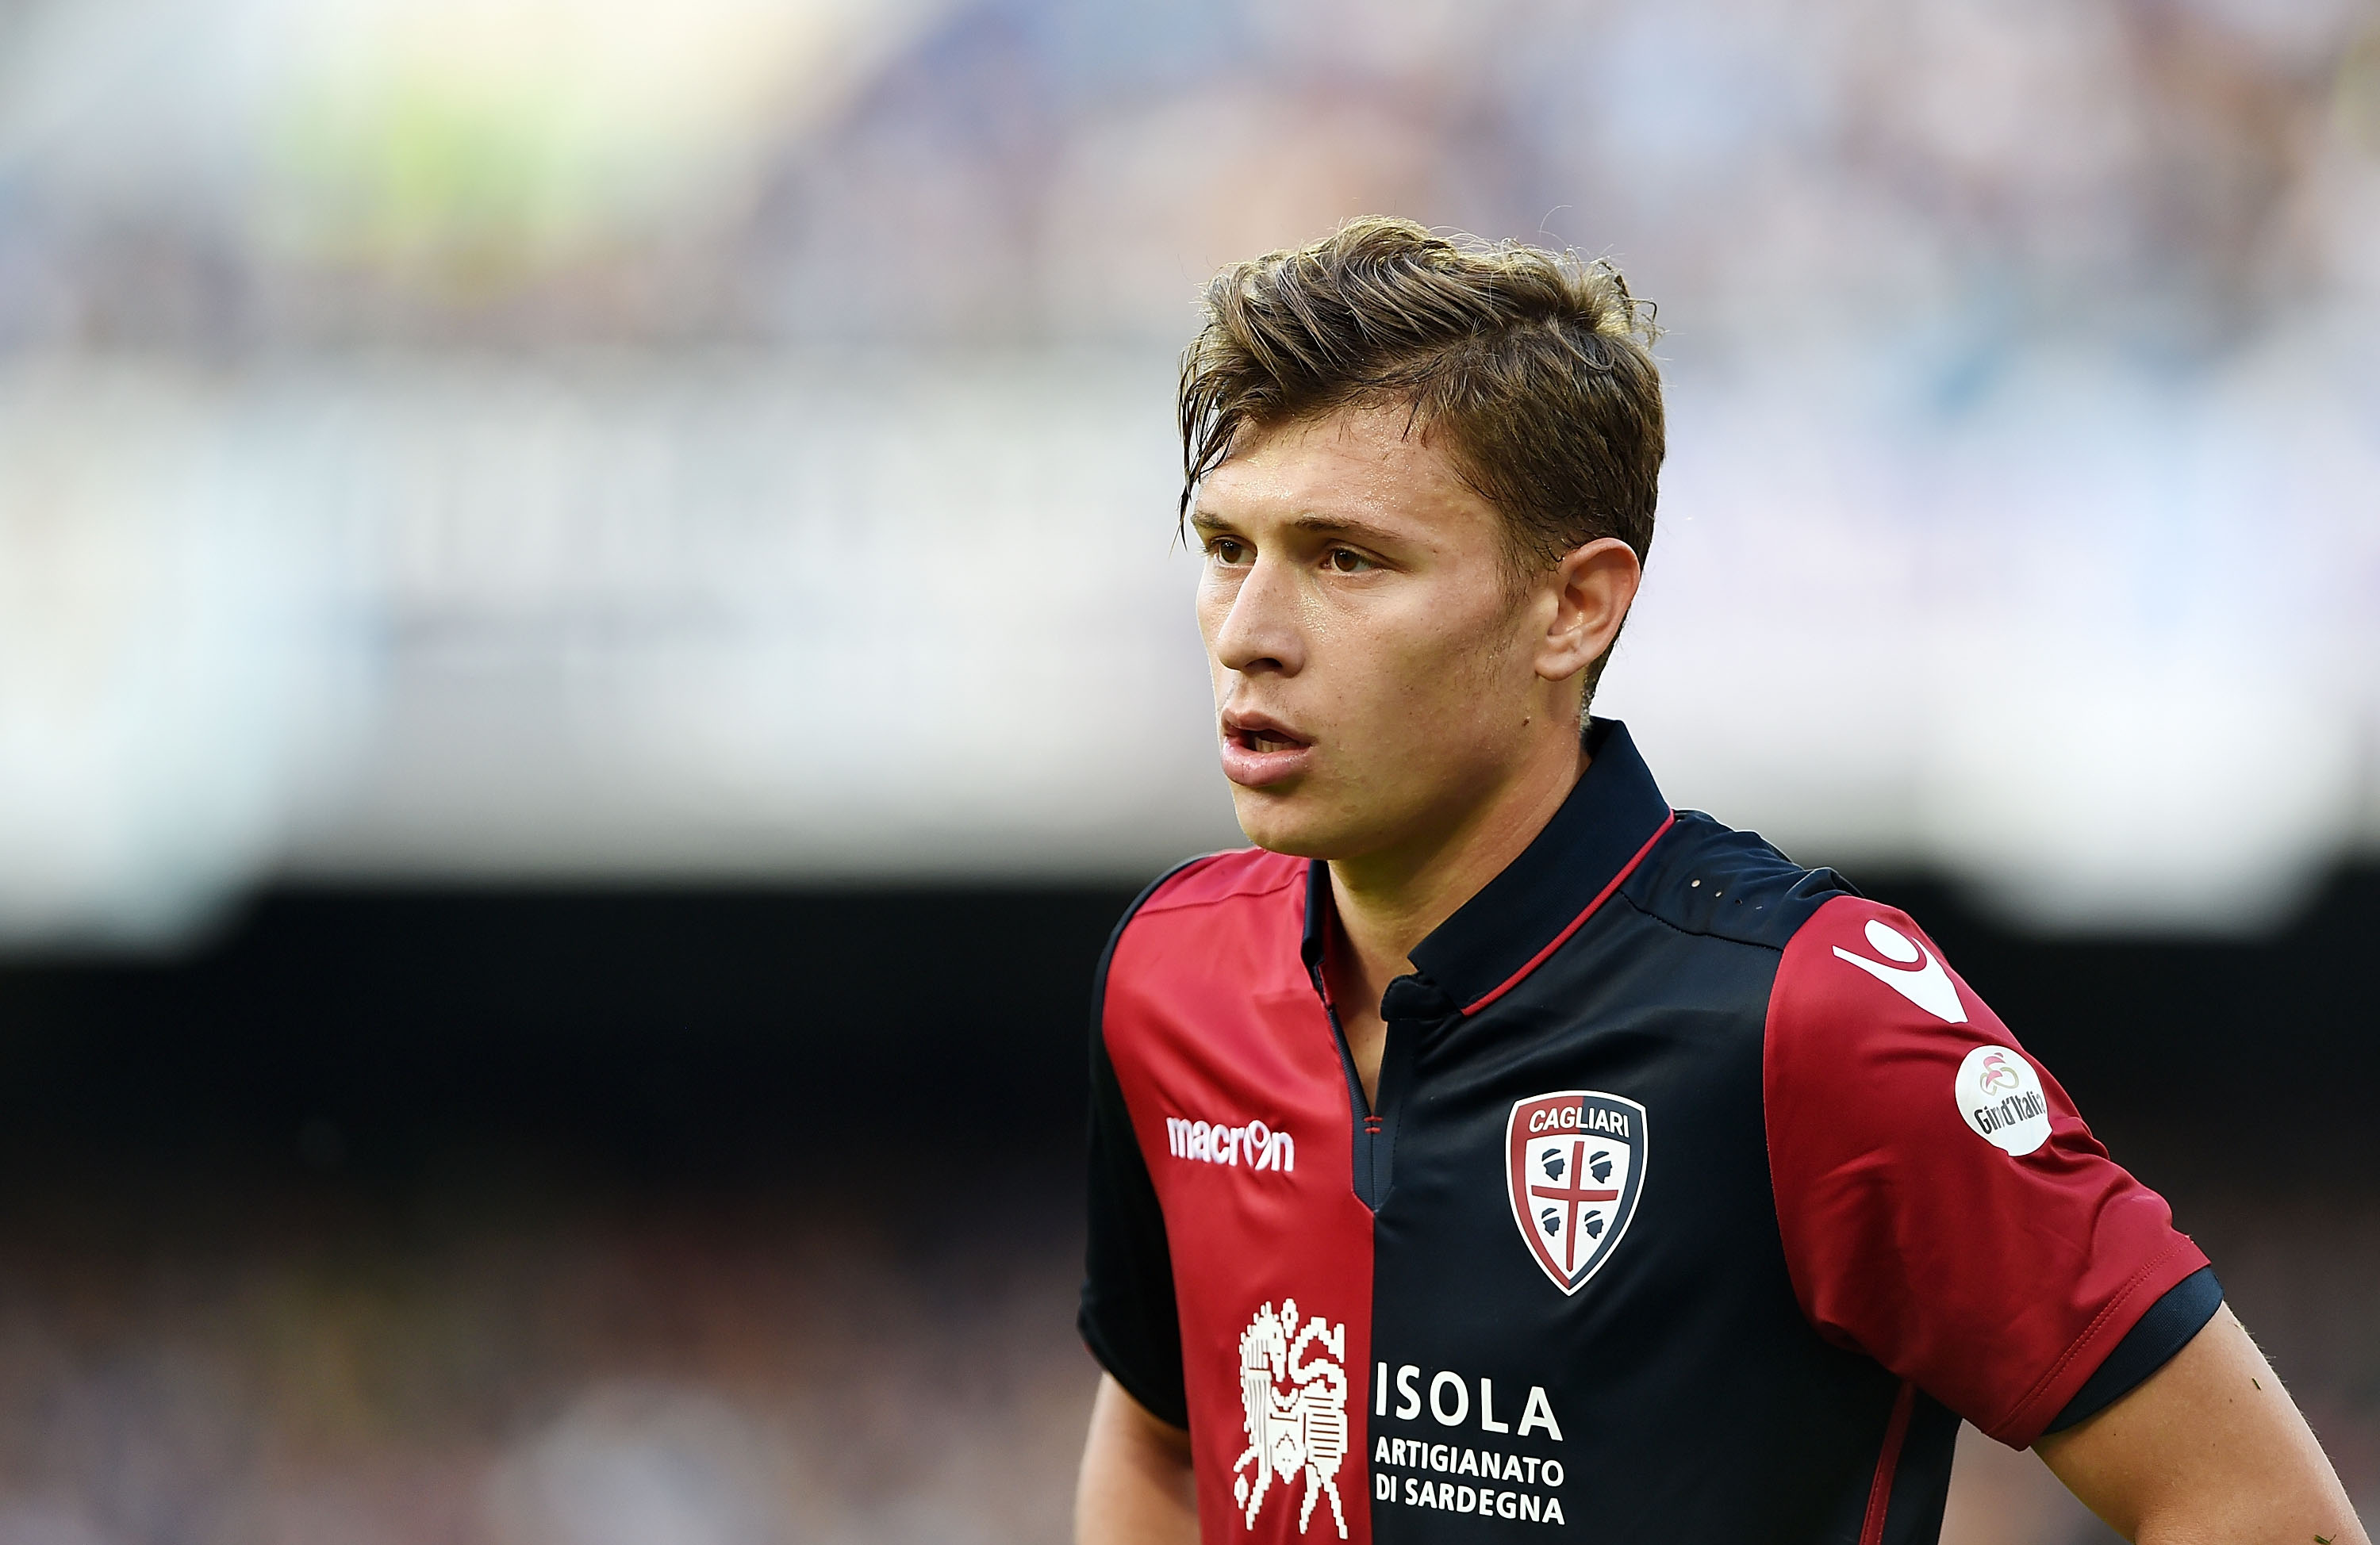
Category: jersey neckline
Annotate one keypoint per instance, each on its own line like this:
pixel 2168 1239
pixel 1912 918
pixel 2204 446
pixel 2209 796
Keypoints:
pixel 1611 818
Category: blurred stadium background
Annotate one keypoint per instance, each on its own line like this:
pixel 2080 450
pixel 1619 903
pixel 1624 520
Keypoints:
pixel 590 641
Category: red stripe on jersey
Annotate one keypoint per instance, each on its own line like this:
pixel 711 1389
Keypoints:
pixel 1231 1071
pixel 1576 922
pixel 1888 1463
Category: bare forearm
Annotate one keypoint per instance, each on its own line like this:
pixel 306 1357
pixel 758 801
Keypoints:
pixel 2210 1450
pixel 1136 1487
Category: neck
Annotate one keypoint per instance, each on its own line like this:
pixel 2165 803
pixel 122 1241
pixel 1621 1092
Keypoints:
pixel 1390 902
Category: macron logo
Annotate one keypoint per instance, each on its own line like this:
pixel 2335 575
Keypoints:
pixel 1926 985
pixel 1255 1145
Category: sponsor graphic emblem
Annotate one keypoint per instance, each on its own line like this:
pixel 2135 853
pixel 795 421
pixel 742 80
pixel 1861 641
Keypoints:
pixel 1575 1164
pixel 1294 1398
pixel 2000 1095
pixel 1915 974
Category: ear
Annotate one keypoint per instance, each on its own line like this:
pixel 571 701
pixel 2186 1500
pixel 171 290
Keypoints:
pixel 1591 590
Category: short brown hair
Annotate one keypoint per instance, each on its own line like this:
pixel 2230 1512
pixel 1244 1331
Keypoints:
pixel 1537 365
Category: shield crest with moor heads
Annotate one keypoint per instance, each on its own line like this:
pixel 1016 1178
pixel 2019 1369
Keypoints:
pixel 1575 1165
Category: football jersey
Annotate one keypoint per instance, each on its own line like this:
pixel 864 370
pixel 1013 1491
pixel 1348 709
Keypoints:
pixel 1699 1200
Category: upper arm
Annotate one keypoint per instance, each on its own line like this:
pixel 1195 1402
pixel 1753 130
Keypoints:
pixel 1128 1316
pixel 2208 1448
pixel 1136 1486
pixel 1942 1206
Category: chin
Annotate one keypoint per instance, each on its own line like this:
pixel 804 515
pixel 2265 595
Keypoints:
pixel 1283 822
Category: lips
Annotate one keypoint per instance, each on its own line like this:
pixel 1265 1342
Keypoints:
pixel 1259 751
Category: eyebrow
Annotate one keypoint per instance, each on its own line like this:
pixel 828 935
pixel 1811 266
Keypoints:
pixel 1320 525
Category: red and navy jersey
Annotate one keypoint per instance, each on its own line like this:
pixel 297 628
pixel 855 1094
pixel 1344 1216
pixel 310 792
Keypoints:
pixel 1700 1199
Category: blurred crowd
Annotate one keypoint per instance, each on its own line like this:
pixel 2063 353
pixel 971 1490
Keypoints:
pixel 543 1366
pixel 535 1368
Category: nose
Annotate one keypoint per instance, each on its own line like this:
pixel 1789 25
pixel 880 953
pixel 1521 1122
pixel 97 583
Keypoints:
pixel 1259 631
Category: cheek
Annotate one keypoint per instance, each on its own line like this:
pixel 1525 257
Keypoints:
pixel 1460 675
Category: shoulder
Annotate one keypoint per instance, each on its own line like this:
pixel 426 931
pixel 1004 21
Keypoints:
pixel 1219 890
pixel 1188 914
pixel 1857 962
pixel 1709 879
pixel 1865 1001
pixel 1219 880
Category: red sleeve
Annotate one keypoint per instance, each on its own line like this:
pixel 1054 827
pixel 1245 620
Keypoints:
pixel 1944 1209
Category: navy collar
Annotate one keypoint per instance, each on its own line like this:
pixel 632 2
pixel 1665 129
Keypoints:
pixel 1603 830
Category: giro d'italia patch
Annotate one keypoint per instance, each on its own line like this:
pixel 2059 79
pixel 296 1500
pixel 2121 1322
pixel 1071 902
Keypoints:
pixel 1575 1165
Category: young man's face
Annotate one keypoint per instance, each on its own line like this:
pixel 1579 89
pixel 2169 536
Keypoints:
pixel 1375 665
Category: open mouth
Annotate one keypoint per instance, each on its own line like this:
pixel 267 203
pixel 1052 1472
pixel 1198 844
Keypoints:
pixel 1258 753
pixel 1263 738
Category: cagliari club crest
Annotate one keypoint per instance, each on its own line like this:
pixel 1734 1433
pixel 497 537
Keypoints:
pixel 1575 1164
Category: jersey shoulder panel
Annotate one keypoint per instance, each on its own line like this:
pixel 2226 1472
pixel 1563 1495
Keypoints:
pixel 1943 1206
pixel 1220 879
pixel 1205 931
pixel 1711 879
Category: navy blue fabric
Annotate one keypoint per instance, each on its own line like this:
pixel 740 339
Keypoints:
pixel 2166 1329
pixel 1688 1341
pixel 1614 808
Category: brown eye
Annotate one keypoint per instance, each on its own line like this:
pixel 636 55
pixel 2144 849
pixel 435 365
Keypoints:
pixel 1346 560
pixel 1226 550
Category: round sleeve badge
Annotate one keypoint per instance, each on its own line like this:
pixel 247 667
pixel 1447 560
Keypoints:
pixel 2000 1096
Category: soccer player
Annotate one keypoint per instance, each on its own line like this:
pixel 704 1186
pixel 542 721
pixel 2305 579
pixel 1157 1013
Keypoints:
pixel 1493 1151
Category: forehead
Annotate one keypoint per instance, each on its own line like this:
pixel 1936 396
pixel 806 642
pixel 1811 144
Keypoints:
pixel 1370 464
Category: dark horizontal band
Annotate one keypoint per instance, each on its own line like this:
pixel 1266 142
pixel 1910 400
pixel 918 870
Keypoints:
pixel 2166 1329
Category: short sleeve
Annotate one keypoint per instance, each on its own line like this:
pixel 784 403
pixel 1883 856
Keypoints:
pixel 1128 1317
pixel 1943 1207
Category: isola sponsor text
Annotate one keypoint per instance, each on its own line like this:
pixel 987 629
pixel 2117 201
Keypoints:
pixel 1453 1496
pixel 1450 1402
